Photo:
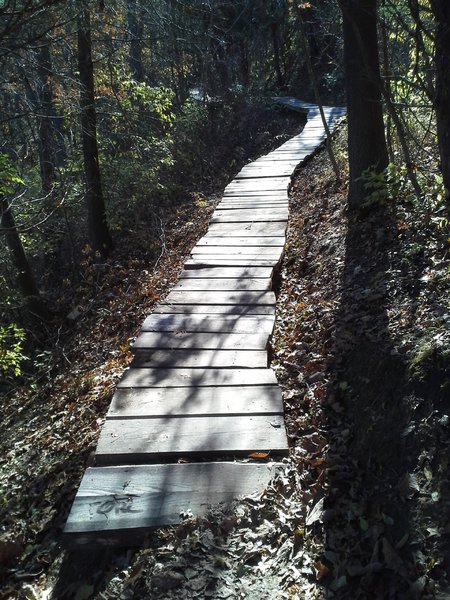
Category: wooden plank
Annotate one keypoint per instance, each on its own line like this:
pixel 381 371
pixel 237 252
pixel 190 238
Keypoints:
pixel 225 297
pixel 200 359
pixel 118 505
pixel 277 158
pixel 228 272
pixel 238 251
pixel 243 283
pixel 256 215
pixel 257 183
pixel 246 258
pixel 244 186
pixel 137 441
pixel 208 323
pixel 302 145
pixel 219 261
pixel 247 229
pixel 249 205
pixel 209 240
pixel 172 402
pixel 282 194
pixel 251 201
pixel 212 309
pixel 265 171
pixel 174 340
pixel 183 377
pixel 255 200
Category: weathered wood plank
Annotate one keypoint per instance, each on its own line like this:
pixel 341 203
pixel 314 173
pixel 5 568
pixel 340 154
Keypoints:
pixel 120 504
pixel 200 359
pixel 201 341
pixel 243 283
pixel 256 215
pixel 183 377
pixel 248 207
pixel 228 272
pixel 247 229
pixel 207 323
pixel 277 158
pixel 225 297
pixel 244 204
pixel 172 402
pixel 255 200
pixel 248 257
pixel 218 311
pixel 244 186
pixel 219 261
pixel 238 251
pixel 267 170
pixel 137 441
pixel 209 240
pixel 281 194
pixel 255 185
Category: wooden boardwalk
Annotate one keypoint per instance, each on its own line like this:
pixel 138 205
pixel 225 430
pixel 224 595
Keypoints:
pixel 200 389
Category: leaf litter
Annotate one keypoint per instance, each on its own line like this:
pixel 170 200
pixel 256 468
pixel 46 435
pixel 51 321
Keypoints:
pixel 360 510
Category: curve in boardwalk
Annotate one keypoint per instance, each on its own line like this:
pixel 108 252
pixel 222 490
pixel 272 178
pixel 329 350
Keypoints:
pixel 199 387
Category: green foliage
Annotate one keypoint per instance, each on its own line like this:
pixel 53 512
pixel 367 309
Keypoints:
pixel 190 141
pixel 394 184
pixel 136 148
pixel 428 356
pixel 375 184
pixel 12 339
pixel 9 176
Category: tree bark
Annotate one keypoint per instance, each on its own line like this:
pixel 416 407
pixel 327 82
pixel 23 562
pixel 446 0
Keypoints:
pixel 135 29
pixel 276 53
pixel 366 137
pixel 26 283
pixel 47 143
pixel 441 9
pixel 98 227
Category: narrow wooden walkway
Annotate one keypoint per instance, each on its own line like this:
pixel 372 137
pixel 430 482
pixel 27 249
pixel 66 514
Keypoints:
pixel 200 389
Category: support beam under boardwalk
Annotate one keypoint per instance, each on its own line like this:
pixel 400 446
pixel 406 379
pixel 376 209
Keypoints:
pixel 119 505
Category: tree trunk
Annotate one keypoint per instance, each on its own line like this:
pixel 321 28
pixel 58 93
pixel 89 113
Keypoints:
pixel 276 53
pixel 135 28
pixel 25 278
pixel 441 9
pixel 47 143
pixel 50 140
pixel 366 137
pixel 98 228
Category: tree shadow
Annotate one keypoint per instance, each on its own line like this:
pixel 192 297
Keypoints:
pixel 368 471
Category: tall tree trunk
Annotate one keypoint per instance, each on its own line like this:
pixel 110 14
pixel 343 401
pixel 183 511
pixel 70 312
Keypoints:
pixel 98 227
pixel 46 134
pixel 366 137
pixel 276 53
pixel 50 141
pixel 135 29
pixel 244 61
pixel 26 283
pixel 441 9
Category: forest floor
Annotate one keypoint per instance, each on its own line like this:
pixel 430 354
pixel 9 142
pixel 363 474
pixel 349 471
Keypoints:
pixel 361 350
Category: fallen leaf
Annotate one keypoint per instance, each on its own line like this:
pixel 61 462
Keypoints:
pixel 320 570
pixel 315 514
